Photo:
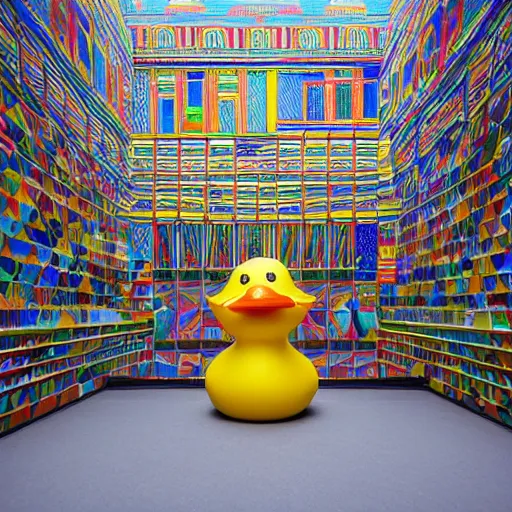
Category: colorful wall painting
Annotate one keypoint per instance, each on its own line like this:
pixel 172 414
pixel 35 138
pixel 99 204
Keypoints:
pixel 256 133
pixel 446 124
pixel 373 160
pixel 67 315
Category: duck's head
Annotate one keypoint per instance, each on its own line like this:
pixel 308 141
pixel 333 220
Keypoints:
pixel 260 295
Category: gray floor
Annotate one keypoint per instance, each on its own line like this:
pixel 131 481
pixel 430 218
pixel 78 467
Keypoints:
pixel 164 450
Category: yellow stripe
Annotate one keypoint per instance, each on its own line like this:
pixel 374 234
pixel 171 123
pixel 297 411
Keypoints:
pixel 272 101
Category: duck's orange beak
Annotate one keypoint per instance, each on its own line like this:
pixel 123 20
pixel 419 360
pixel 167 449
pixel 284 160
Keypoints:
pixel 261 298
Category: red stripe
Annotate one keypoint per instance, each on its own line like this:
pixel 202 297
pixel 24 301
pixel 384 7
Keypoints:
pixel 326 37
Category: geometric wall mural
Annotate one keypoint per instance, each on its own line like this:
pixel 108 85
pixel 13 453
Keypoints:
pixel 256 134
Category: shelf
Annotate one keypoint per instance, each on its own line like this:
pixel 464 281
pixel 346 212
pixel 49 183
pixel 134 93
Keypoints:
pixel 29 405
pixel 42 378
pixel 447 327
pixel 16 369
pixel 391 363
pixel 37 380
pixel 467 393
pixel 454 356
pixel 452 278
pixel 73 341
pixel 436 308
pixel 38 330
pixel 17 409
pixel 445 191
pixel 451 224
pixel 448 368
pixel 446 340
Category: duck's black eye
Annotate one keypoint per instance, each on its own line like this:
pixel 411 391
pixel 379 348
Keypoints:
pixel 271 277
pixel 244 278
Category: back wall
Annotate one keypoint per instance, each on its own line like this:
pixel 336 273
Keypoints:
pixel 259 137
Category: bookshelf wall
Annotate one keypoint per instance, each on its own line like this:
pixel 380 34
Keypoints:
pixel 446 113
pixel 67 315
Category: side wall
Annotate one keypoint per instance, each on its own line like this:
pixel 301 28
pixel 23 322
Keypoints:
pixel 446 113
pixel 66 312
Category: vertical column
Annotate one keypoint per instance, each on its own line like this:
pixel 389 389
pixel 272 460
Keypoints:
pixel 445 34
pixel 211 114
pixel 155 246
pixel 179 180
pixel 357 94
pixel 330 96
pixel 235 190
pixel 242 101
pixel 153 103
pixel 206 218
pixel 140 37
pixel 272 101
pixel 207 102
pixel 180 100
pixel 329 194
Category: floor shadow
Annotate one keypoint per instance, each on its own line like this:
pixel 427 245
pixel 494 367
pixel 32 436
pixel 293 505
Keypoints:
pixel 310 412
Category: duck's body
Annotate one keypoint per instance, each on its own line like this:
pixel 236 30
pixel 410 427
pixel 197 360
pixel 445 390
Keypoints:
pixel 261 382
pixel 261 377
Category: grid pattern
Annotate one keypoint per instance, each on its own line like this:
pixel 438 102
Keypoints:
pixel 310 202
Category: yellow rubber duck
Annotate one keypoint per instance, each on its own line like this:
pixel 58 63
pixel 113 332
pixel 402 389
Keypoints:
pixel 261 376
